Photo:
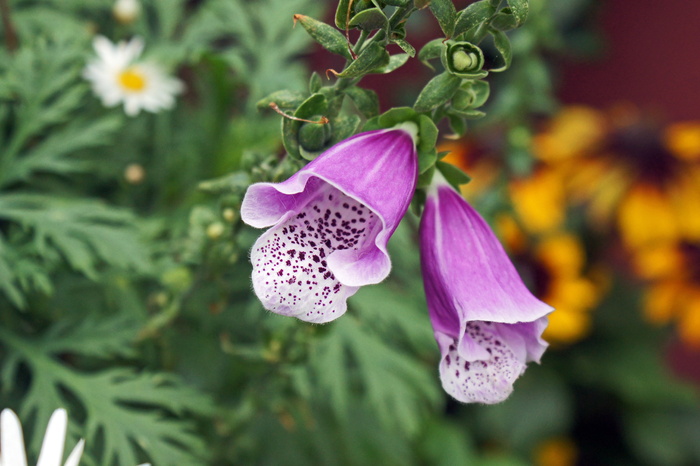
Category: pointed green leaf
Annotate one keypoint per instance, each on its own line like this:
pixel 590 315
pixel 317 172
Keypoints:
pixel 439 90
pixel 395 61
pixel 452 174
pixel 444 11
pixel 365 100
pixel 475 14
pixel 370 20
pixel 502 43
pixel 405 46
pixel 330 38
pixel 372 57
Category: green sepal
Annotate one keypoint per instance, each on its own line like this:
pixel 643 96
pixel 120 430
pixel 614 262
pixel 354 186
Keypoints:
pixel 475 14
pixel 427 132
pixel 473 69
pixel 315 83
pixel 457 125
pixel 330 38
pixel 427 139
pixel 370 20
pixel 372 57
pixel 366 101
pixel 284 99
pixel 289 138
pixel 425 178
pixel 502 43
pixel 439 90
pixel 396 2
pixel 342 128
pixel 481 91
pixel 405 46
pixel 395 61
pixel 446 14
pixel 316 104
pixel 453 174
pixel 430 51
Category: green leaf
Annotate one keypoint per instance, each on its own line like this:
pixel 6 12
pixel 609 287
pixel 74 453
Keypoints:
pixel 520 9
pixel 315 83
pixel 504 20
pixel 430 51
pixel 439 90
pixel 405 46
pixel 502 43
pixel 444 11
pixel 85 232
pixel 341 14
pixel 395 61
pixel 129 412
pixel 370 19
pixel 452 174
pixel 366 101
pixel 373 57
pixel 330 38
pixel 475 14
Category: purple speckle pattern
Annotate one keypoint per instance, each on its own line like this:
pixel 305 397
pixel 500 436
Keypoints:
pixel 481 380
pixel 290 261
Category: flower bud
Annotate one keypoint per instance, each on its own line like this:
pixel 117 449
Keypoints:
pixel 464 59
pixel 126 11
pixel 134 173
pixel 215 230
pixel 229 214
pixel 314 136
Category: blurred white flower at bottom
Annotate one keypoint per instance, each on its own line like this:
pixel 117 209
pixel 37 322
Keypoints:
pixel 12 441
pixel 12 452
pixel 117 77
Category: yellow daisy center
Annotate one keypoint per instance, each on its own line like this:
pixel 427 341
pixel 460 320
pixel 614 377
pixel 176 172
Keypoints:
pixel 132 79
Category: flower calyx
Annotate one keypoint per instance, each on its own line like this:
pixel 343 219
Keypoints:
pixel 463 59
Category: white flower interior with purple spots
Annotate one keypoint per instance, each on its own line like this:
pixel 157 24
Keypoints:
pixel 330 224
pixel 290 261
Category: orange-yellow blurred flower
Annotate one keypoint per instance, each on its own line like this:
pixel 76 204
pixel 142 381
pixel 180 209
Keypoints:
pixel 483 168
pixel 673 272
pixel 556 452
pixel 556 269
pixel 628 171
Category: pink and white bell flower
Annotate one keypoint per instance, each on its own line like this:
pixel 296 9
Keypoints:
pixel 487 324
pixel 330 222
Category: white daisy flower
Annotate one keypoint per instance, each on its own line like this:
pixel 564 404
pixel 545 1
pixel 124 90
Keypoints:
pixel 12 442
pixel 117 76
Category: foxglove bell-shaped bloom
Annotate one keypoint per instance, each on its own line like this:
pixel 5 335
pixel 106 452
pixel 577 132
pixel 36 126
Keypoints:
pixel 487 324
pixel 330 224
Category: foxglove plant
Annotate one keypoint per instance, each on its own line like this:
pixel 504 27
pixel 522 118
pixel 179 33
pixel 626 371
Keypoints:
pixel 487 324
pixel 330 223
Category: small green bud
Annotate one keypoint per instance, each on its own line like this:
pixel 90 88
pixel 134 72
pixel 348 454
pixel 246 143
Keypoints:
pixel 463 60
pixel 215 230
pixel 313 136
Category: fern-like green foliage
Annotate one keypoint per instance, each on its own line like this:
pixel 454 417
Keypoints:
pixel 129 411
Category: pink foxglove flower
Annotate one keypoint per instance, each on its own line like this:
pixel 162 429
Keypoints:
pixel 330 224
pixel 487 324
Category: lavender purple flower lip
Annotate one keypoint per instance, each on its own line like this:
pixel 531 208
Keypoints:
pixel 487 324
pixel 330 224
